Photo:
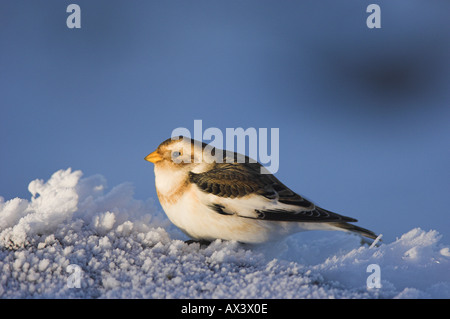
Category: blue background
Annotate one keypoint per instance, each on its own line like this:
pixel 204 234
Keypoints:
pixel 363 114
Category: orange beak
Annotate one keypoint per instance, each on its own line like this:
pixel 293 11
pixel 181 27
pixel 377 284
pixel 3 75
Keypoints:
pixel 153 157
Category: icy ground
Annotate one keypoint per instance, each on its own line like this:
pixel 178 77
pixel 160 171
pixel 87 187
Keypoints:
pixel 120 247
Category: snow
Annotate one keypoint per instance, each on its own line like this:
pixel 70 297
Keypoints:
pixel 127 248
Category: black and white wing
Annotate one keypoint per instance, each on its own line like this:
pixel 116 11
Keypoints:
pixel 259 196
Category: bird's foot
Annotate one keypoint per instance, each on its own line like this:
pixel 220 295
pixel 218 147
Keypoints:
pixel 201 242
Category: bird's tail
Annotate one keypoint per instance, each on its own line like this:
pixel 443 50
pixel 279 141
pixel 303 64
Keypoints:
pixel 356 229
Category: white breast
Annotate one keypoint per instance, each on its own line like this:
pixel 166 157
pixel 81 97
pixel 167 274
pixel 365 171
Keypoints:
pixel 167 181
pixel 189 209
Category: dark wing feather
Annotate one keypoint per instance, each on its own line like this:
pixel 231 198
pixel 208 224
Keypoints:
pixel 315 214
pixel 232 180
pixel 229 180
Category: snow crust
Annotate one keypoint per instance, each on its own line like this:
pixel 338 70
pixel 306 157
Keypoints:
pixel 127 248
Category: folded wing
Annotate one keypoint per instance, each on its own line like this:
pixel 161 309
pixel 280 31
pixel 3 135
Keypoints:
pixel 241 189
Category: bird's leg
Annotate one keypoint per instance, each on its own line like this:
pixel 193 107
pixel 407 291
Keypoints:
pixel 201 242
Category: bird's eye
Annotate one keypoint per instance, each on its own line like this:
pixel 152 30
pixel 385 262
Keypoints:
pixel 176 154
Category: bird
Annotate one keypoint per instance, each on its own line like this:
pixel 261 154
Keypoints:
pixel 210 194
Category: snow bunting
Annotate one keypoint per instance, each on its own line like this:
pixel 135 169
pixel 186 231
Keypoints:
pixel 209 195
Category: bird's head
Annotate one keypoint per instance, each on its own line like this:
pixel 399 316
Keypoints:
pixel 183 153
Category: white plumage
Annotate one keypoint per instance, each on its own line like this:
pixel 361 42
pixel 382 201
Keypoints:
pixel 209 196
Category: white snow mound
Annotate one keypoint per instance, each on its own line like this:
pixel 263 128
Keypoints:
pixel 75 239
